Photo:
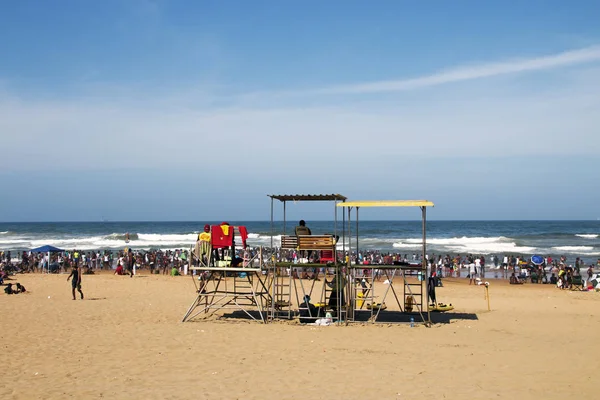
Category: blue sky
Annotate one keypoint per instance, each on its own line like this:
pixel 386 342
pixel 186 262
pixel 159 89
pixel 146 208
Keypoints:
pixel 173 110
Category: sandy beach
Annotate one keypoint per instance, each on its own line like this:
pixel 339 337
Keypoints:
pixel 125 341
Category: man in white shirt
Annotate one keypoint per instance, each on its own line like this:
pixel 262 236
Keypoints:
pixel 472 273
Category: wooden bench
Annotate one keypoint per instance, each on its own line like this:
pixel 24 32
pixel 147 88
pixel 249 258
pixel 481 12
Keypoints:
pixel 316 242
pixel 289 242
pixel 308 242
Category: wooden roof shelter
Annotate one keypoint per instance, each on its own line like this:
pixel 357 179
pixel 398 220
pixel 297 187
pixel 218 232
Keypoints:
pixel 281 285
pixel 284 198
pixel 308 197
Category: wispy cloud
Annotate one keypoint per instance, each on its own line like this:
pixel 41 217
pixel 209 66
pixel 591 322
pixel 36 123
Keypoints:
pixel 555 117
pixel 487 137
pixel 466 73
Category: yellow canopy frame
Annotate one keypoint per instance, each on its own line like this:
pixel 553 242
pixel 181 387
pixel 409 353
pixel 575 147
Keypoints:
pixel 422 204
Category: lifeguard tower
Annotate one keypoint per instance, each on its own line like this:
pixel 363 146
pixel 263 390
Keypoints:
pixel 227 279
pixel 412 298
pixel 286 272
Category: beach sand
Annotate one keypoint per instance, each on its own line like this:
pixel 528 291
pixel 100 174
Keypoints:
pixel 126 341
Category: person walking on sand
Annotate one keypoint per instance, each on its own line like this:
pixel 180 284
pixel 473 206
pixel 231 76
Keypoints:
pixel 76 281
pixel 130 262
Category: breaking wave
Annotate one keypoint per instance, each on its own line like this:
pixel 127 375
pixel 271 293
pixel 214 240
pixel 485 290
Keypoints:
pixel 385 242
pixel 479 245
pixel 573 248
pixel 587 236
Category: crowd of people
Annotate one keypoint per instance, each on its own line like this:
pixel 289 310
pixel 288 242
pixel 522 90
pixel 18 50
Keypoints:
pixel 516 268
pixel 120 262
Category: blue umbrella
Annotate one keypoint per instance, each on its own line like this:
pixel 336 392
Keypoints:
pixel 537 260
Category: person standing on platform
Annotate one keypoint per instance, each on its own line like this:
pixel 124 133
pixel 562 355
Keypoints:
pixel 204 246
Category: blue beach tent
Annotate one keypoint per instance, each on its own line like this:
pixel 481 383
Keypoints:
pixel 47 249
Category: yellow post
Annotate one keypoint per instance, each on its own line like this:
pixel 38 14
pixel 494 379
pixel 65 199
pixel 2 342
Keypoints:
pixel 487 295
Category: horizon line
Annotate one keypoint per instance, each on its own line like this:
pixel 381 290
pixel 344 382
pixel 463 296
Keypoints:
pixel 288 220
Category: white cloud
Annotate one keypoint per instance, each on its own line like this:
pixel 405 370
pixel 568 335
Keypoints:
pixel 555 117
pixel 466 73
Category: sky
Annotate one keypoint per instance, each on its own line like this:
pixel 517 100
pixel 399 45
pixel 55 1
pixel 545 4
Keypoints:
pixel 192 110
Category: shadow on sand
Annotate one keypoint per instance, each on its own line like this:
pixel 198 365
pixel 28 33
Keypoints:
pixel 391 317
pixel 385 317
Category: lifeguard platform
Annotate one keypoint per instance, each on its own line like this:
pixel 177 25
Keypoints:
pixel 225 278
pixel 285 277
pixel 405 283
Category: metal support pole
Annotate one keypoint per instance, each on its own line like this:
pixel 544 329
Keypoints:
pixel 335 260
pixel 351 290
pixel 334 217
pixel 357 247
pixel 343 233
pixel 425 277
pixel 272 262
pixel 272 223
pixel 284 218
pixel 349 238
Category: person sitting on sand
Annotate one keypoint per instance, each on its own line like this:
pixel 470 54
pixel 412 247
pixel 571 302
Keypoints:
pixel 119 270
pixel 8 289
pixel 20 288
pixel 308 311
pixel 514 280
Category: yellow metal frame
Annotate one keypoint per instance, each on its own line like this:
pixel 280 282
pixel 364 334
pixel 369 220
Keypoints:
pixel 422 204
pixel 387 203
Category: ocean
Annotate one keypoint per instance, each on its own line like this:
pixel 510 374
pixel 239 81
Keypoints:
pixel 548 238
